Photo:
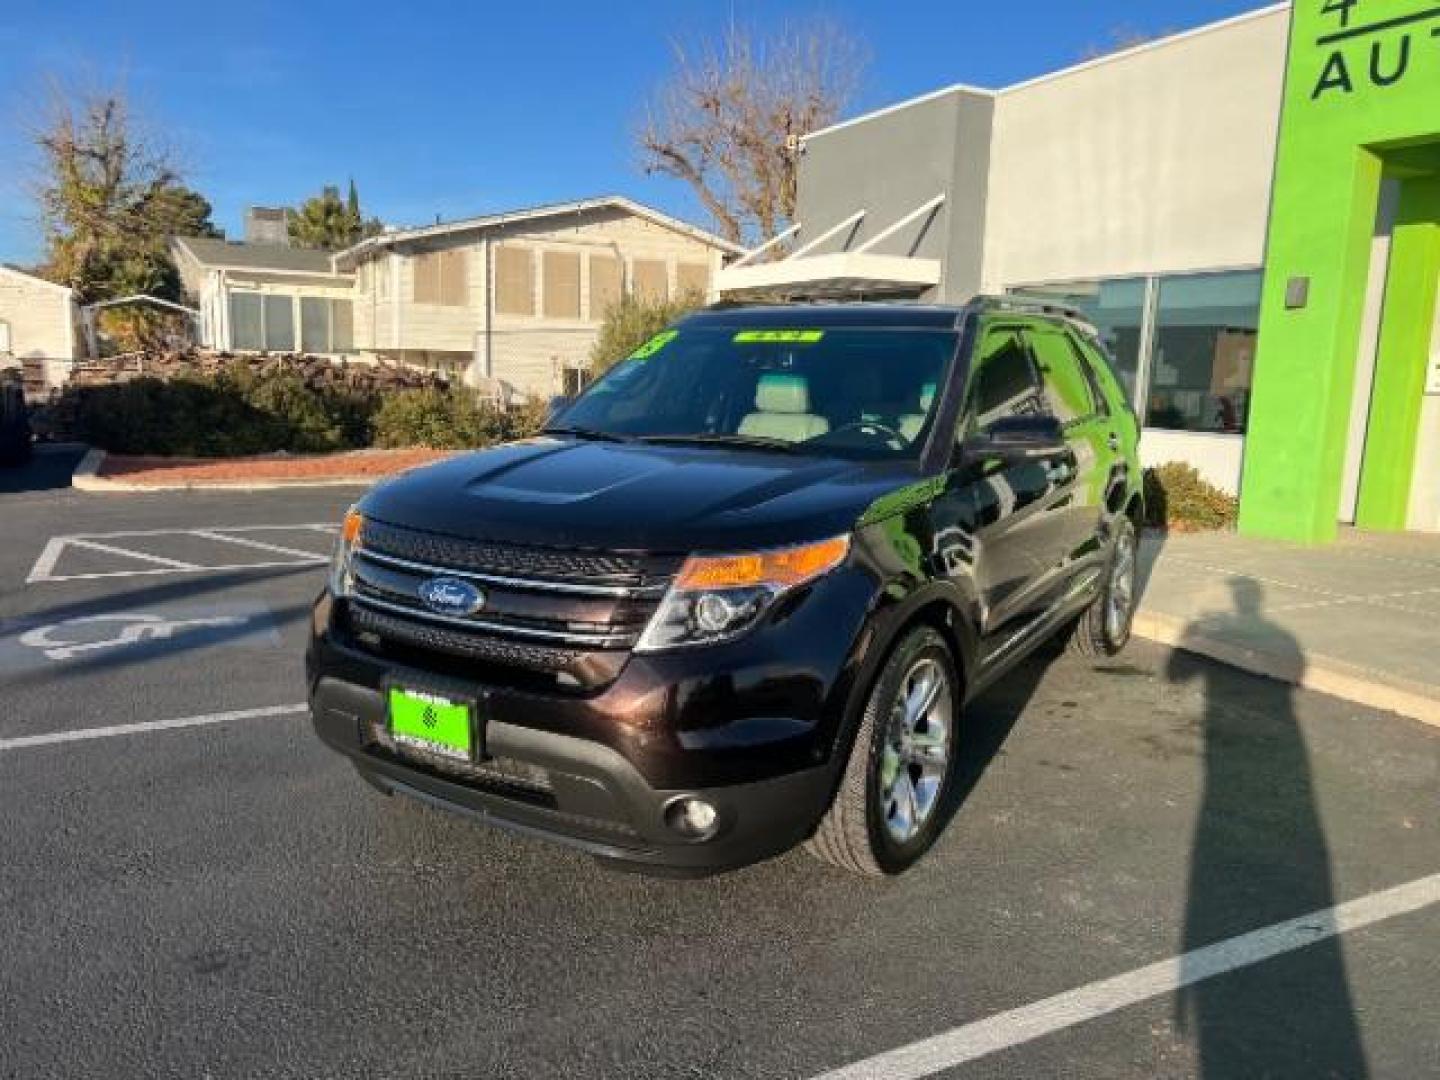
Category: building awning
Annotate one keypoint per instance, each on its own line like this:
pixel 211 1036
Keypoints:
pixel 861 272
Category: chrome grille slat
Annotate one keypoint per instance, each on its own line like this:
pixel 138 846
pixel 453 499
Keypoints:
pixel 562 637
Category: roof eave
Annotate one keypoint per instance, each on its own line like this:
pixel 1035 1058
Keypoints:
pixel 495 221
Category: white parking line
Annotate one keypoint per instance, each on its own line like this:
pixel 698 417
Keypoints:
pixel 143 556
pixel 22 742
pixel 228 536
pixel 258 545
pixel 1022 1025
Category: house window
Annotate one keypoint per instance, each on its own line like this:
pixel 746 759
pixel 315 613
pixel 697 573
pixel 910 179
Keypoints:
pixel 514 281
pixel 439 278
pixel 605 283
pixel 692 278
pixel 247 321
pixel 1206 327
pixel 342 326
pixel 314 324
pixel 651 280
pixel 279 323
pixel 562 285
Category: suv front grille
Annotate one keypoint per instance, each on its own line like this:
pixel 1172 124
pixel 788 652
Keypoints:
pixel 535 563
pixel 490 649
pixel 570 615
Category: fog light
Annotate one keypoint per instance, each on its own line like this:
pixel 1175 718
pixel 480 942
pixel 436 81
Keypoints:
pixel 692 817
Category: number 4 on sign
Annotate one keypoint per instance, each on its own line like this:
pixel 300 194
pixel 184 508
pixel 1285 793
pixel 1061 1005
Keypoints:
pixel 1343 8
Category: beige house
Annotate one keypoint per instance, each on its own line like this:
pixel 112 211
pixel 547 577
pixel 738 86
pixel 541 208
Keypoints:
pixel 514 301
pixel 267 297
pixel 39 323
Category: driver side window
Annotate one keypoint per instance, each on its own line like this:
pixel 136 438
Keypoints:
pixel 1003 382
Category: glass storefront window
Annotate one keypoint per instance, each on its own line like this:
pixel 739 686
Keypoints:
pixel 1116 308
pixel 1204 352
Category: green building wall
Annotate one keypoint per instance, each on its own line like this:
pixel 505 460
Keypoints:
pixel 1362 103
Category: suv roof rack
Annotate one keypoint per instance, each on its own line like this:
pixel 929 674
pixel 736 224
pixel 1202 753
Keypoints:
pixel 1034 305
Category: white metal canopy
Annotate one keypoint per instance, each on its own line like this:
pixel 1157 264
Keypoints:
pixel 836 274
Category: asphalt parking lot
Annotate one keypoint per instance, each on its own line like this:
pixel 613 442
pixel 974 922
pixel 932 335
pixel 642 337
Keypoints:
pixel 1161 867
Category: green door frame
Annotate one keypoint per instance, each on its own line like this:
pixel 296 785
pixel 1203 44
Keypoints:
pixel 1362 101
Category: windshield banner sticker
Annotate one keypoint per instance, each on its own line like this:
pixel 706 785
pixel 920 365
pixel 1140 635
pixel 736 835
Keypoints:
pixel 654 345
pixel 779 337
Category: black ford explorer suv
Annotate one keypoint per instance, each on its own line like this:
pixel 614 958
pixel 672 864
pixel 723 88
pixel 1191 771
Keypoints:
pixel 739 592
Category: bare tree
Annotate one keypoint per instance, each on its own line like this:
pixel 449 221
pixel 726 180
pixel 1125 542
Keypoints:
pixel 110 198
pixel 729 118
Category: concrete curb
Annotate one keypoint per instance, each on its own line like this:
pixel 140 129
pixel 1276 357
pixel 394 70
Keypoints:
pixel 1322 674
pixel 87 478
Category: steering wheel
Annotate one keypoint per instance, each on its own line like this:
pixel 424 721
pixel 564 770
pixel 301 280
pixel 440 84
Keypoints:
pixel 872 427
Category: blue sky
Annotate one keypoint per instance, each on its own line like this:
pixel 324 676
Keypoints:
pixel 464 108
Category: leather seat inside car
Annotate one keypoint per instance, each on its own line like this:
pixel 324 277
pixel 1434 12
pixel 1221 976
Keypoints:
pixel 782 410
pixel 911 424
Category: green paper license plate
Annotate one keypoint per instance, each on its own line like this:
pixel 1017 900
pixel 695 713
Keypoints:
pixel 431 723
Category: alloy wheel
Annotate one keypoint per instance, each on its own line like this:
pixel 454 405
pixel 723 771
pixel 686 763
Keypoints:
pixel 915 755
pixel 1121 594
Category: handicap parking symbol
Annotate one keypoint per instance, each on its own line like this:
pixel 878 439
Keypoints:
pixel 76 637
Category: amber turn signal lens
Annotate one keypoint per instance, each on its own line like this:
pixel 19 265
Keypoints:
pixel 350 528
pixel 784 568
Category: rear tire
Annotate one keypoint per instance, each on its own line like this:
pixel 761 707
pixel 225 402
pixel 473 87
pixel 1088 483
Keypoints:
pixel 1105 627
pixel 890 805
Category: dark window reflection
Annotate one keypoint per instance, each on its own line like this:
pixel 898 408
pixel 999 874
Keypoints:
pixel 1204 357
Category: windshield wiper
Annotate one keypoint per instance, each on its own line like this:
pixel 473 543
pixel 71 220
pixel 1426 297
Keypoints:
pixel 742 442
pixel 593 434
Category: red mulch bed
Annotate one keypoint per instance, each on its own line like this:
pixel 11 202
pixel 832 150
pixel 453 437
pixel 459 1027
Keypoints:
pixel 267 468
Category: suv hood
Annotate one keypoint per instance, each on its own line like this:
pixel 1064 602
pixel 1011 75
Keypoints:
pixel 634 497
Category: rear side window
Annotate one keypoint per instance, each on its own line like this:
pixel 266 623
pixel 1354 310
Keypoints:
pixel 1102 371
pixel 1005 381
pixel 1067 386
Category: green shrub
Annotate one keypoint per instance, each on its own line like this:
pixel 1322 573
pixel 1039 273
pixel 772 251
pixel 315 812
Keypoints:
pixel 631 322
pixel 230 411
pixel 450 420
pixel 1178 497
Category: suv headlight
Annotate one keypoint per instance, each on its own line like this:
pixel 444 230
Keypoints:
pixel 718 597
pixel 340 578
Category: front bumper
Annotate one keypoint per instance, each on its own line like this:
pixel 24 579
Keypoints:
pixel 750 734
pixel 591 798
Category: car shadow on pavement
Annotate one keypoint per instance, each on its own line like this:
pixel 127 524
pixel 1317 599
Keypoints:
pixel 1259 856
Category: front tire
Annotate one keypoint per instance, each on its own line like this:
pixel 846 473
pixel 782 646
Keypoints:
pixel 1105 627
pixel 890 805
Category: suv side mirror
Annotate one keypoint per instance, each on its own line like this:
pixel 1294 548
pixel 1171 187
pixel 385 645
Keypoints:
pixel 1018 438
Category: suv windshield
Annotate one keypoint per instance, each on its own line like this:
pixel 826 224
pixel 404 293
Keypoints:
pixel 843 392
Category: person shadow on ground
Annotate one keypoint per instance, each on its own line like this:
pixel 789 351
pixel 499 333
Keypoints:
pixel 1260 857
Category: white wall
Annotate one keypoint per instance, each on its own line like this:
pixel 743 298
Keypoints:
pixel 1218 458
pixel 1157 160
pixel 41 317
pixel 1425 487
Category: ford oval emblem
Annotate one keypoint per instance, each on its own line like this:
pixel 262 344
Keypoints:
pixel 451 596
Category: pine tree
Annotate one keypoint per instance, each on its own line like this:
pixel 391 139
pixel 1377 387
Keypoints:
pixel 329 224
